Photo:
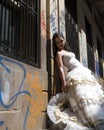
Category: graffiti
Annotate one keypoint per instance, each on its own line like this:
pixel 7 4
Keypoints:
pixel 62 22
pixel 43 24
pixel 53 16
pixel 19 86
pixel 97 71
pixel 1 123
pixel 83 51
pixel 52 20
pixel 7 69
pixel 3 92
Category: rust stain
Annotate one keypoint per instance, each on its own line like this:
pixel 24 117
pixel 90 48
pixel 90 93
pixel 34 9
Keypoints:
pixel 36 102
pixel 43 24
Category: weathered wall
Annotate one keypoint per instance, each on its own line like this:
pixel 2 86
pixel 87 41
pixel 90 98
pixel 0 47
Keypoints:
pixel 43 27
pixel 43 38
pixel 24 88
pixel 21 95
pixel 82 12
pixel 55 23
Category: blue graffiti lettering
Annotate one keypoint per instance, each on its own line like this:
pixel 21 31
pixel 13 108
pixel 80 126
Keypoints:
pixel 19 92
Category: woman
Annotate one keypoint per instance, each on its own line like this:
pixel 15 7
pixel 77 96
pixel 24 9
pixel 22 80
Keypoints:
pixel 82 91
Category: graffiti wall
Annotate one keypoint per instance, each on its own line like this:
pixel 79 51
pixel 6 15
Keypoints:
pixel 53 17
pixel 22 96
pixel 83 48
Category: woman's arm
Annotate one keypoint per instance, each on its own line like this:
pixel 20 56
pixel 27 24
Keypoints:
pixel 61 70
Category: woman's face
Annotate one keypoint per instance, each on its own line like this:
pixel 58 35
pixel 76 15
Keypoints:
pixel 60 43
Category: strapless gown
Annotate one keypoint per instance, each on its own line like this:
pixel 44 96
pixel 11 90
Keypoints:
pixel 85 96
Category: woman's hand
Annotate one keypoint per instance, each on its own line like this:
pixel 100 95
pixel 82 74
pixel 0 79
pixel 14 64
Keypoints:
pixel 64 87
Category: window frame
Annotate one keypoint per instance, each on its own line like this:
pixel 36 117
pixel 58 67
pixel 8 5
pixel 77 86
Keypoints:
pixel 10 7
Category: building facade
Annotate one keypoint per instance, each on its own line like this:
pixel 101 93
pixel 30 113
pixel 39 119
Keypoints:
pixel 28 76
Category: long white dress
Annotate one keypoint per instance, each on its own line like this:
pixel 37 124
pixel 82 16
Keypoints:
pixel 84 95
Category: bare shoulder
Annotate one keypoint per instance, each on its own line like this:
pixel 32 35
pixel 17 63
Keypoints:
pixel 64 53
pixel 59 53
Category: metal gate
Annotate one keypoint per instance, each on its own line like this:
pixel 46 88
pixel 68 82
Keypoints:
pixel 19 30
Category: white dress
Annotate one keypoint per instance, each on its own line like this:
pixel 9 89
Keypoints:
pixel 84 95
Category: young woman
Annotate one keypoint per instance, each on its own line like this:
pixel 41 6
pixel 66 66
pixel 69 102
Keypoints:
pixel 82 90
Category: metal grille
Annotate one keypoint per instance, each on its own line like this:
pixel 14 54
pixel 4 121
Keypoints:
pixel 19 30
pixel 72 34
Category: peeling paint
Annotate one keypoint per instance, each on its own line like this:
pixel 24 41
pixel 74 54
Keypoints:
pixel 17 84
